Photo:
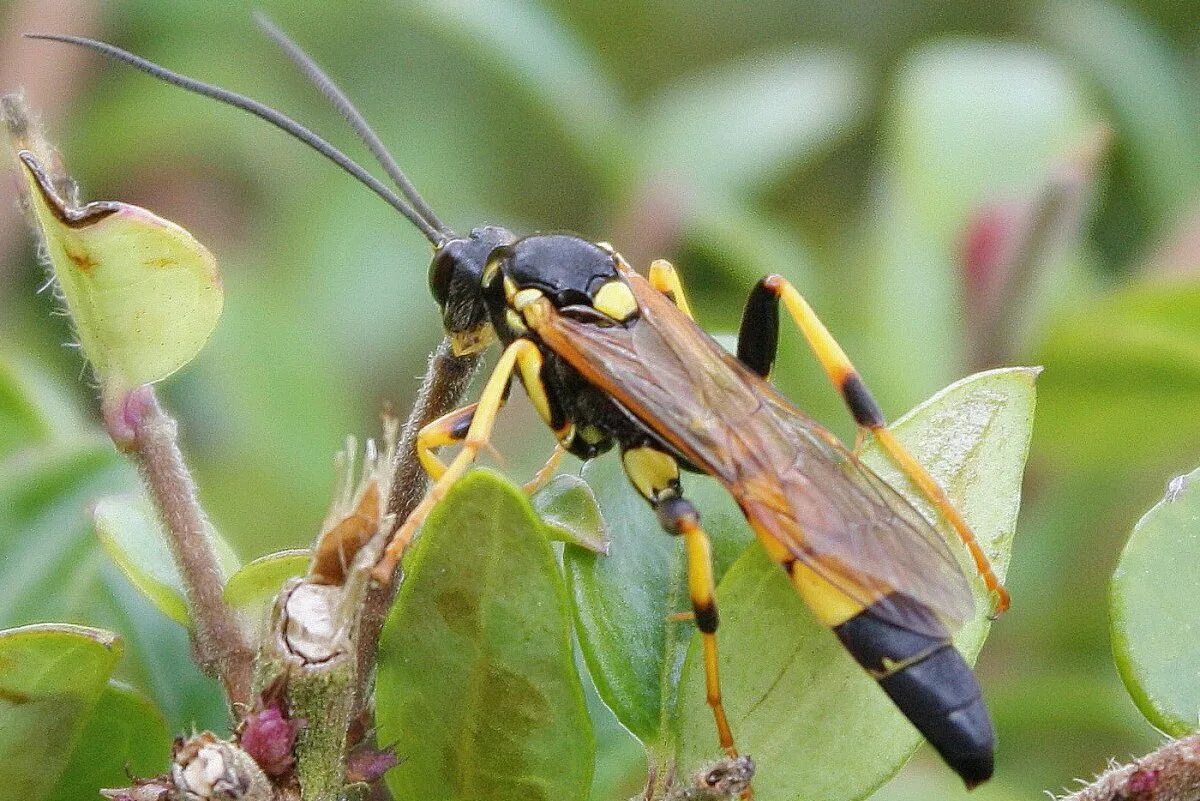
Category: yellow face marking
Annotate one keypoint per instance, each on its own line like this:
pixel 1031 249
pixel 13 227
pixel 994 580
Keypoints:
pixel 464 343
pixel 615 300
pixel 510 289
pixel 521 299
pixel 606 247
pixel 514 321
pixel 650 470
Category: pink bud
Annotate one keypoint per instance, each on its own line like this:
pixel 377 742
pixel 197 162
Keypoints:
pixel 368 765
pixel 270 738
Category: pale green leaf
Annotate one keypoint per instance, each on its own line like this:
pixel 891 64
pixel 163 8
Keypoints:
pixel 569 509
pixel 1152 610
pixel 790 689
pixel 130 532
pixel 143 294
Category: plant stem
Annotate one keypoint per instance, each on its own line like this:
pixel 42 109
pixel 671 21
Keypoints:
pixel 219 641
pixel 1172 773
pixel 446 379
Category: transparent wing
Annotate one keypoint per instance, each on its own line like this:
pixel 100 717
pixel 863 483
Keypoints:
pixel 795 481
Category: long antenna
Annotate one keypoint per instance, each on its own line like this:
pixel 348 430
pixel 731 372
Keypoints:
pixel 270 115
pixel 321 80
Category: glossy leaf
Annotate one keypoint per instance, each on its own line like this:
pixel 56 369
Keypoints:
pixel 570 512
pixel 130 532
pixel 125 735
pixel 252 589
pixel 623 601
pixel 1153 612
pixel 143 294
pixel 476 683
pixel 817 724
pixel 52 678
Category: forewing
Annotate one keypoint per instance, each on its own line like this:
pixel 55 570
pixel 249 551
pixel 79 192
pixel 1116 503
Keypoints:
pixel 795 481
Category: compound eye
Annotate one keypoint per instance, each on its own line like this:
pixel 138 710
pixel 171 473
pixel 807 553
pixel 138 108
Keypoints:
pixel 441 273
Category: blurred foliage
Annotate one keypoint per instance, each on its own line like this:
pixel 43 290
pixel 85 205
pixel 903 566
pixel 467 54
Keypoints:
pixel 877 154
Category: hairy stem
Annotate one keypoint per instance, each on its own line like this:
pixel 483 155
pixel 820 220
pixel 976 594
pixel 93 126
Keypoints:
pixel 150 435
pixel 446 379
pixel 1172 773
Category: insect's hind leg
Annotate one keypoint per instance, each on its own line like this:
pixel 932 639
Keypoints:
pixel 656 476
pixel 757 344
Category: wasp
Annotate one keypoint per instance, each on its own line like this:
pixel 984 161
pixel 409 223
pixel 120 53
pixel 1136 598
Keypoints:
pixel 612 359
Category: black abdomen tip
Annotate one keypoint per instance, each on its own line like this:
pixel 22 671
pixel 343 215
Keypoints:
pixel 941 697
pixel 927 679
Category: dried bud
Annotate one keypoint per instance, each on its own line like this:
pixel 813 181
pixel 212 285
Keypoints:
pixel 722 780
pixel 270 738
pixel 156 789
pixel 367 765
pixel 205 768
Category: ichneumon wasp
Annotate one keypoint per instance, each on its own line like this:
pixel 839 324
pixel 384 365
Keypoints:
pixel 613 359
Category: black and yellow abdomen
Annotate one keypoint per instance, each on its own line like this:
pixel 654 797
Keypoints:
pixel 928 679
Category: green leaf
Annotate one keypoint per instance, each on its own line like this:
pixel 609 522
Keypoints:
pixel 125 735
pixel 476 682
pixel 1149 90
pixel 1124 378
pixel 970 122
pixel 623 600
pixel 54 569
pixel 258 582
pixel 33 408
pixel 561 74
pixel 790 689
pixel 143 294
pixel 571 514
pixel 748 122
pixel 51 677
pixel 130 532
pixel 1152 610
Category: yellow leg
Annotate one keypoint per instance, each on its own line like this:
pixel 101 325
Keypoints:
pixel 868 415
pixel 521 355
pixel 449 429
pixel 665 279
pixel 656 476
pixel 545 472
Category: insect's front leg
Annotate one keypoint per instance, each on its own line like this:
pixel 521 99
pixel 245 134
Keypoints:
pixel 757 345
pixel 451 429
pixel 522 355
pixel 656 476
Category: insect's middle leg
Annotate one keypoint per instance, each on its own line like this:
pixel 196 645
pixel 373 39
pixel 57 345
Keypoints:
pixel 656 476
pixel 757 345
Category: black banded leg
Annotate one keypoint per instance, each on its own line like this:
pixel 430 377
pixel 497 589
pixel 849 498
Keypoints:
pixel 759 352
pixel 656 476
pixel 930 682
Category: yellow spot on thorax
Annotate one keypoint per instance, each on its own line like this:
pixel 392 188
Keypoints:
pixel 615 299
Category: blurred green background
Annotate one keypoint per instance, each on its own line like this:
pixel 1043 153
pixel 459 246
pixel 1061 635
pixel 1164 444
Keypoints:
pixel 954 185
